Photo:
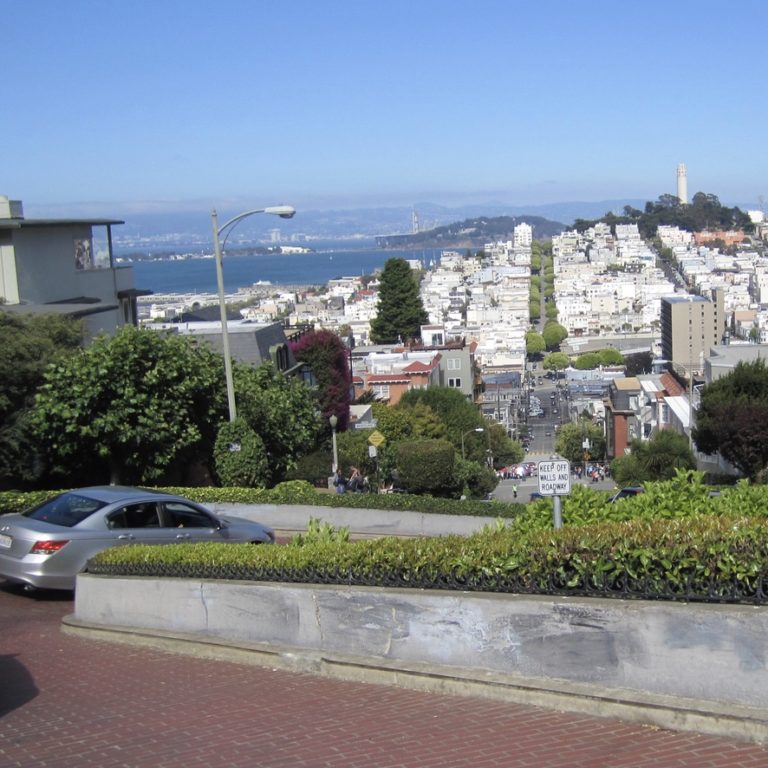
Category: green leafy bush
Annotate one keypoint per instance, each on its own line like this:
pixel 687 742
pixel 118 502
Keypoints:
pixel 319 531
pixel 426 466
pixel 476 478
pixel 17 501
pixel 315 468
pixel 240 455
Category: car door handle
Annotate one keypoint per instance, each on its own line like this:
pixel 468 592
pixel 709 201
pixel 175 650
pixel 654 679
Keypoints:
pixel 126 536
pixel 182 535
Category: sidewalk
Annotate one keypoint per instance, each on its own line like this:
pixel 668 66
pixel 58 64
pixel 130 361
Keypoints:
pixel 70 702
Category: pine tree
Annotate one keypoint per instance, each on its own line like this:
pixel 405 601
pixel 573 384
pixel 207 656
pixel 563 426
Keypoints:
pixel 400 311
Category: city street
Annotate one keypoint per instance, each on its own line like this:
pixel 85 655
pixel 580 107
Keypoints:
pixel 70 702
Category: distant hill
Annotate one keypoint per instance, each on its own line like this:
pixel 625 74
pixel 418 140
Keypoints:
pixel 193 224
pixel 472 232
pixel 705 211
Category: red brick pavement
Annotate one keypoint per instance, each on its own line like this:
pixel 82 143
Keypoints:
pixel 68 701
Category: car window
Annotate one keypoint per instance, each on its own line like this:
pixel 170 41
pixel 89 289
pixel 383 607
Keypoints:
pixel 179 515
pixel 144 515
pixel 67 509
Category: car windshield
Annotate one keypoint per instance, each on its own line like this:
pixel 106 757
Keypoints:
pixel 68 509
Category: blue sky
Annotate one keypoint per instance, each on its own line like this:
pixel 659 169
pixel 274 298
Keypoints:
pixel 170 104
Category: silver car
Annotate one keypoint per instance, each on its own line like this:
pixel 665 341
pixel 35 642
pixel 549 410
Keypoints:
pixel 48 545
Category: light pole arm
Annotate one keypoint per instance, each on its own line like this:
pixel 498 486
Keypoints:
pixel 223 311
pixel 284 212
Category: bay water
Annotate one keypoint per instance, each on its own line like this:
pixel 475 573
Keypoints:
pixel 198 275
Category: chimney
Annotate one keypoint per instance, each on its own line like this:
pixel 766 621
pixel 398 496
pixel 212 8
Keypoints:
pixel 10 209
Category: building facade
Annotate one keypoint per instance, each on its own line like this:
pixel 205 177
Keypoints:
pixel 690 325
pixel 64 266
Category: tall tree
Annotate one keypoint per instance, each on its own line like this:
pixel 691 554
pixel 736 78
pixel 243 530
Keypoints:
pixel 27 346
pixel 135 402
pixel 328 358
pixel 455 411
pixel 408 420
pixel 733 418
pixel 553 334
pixel 400 311
pixel 556 361
pixel 281 411
pixel 654 459
pixel 534 343
pixel 570 439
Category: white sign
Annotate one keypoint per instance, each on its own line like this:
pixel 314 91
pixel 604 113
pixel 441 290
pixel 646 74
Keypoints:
pixel 555 477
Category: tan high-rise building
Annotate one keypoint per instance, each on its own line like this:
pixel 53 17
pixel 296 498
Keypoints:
pixel 690 326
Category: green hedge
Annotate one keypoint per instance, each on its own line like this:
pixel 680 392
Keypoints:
pixel 301 492
pixel 686 495
pixel 675 541
pixel 706 558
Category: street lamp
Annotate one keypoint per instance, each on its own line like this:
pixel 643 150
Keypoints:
pixel 284 212
pixel 333 421
pixel 469 431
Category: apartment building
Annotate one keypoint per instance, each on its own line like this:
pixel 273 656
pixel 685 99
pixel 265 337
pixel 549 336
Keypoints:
pixel 690 325
pixel 438 360
pixel 637 407
pixel 64 266
pixel 523 235
pixel 390 373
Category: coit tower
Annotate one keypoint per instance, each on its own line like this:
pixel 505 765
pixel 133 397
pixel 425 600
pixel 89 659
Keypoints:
pixel 682 184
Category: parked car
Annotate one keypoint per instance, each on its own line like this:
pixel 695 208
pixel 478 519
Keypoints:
pixel 630 490
pixel 48 545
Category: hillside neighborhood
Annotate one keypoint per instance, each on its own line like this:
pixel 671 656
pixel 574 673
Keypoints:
pixel 693 302
pixel 696 312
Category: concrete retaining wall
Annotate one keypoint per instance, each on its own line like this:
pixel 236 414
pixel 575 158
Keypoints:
pixel 708 653
pixel 365 522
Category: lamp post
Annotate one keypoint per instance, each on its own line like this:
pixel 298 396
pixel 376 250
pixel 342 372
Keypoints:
pixel 333 421
pixel 284 212
pixel 469 431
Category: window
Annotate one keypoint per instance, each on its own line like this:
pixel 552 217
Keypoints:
pixel 183 516
pixel 279 355
pixel 454 365
pixel 381 391
pixel 67 509
pixel 454 382
pixel 135 516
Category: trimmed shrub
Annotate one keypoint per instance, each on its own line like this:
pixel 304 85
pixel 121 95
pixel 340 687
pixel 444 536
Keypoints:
pixel 426 466
pixel 474 477
pixel 315 468
pixel 240 456
pixel 704 558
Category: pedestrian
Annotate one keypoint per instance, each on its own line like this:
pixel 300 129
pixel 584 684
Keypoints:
pixel 355 480
pixel 514 490
pixel 339 483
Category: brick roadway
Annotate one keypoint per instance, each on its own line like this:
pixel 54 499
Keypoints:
pixel 68 701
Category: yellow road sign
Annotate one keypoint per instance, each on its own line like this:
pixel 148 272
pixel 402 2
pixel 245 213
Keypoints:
pixel 376 439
